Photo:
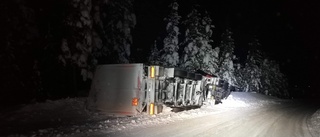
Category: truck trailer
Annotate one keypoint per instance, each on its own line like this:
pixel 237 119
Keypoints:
pixel 129 89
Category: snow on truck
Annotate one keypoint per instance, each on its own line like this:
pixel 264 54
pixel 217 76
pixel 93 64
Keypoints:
pixel 129 89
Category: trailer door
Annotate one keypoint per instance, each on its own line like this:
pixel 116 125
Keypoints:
pixel 117 89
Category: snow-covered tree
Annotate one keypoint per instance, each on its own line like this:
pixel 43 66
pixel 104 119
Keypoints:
pixel 100 50
pixel 118 20
pixel 226 57
pixel 170 55
pixel 211 61
pixel 154 57
pixel 101 33
pixel 272 80
pixel 77 48
pixel 261 74
pixel 207 56
pixel 253 66
pixel 18 51
pixel 240 76
pixel 192 41
pixel 198 52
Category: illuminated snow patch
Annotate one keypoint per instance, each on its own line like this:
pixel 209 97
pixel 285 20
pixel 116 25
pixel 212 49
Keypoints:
pixel 233 102
pixel 315 124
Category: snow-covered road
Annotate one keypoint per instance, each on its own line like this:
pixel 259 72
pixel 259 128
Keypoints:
pixel 242 114
pixel 287 119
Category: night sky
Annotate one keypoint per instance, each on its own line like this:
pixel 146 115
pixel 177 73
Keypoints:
pixel 288 31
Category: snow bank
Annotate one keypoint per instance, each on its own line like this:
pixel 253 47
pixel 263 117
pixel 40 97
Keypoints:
pixel 234 101
pixel 68 117
pixel 315 124
pixel 49 118
pixel 50 110
pixel 247 99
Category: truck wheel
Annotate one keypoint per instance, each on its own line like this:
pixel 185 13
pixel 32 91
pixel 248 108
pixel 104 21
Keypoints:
pixel 198 76
pixel 191 76
pixel 180 73
pixel 217 101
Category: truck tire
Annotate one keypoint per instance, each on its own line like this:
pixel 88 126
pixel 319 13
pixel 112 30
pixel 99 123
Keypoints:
pixel 191 76
pixel 180 73
pixel 198 76
pixel 217 101
pixel 227 94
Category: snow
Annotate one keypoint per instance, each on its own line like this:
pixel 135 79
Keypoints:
pixel 170 56
pixel 68 117
pixel 315 123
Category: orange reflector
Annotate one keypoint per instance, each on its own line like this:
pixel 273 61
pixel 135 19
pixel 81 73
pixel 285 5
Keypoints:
pixel 152 72
pixel 151 109
pixel 135 102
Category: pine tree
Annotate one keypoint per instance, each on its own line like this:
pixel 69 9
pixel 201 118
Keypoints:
pixel 266 76
pixel 198 52
pixel 272 80
pixel 101 33
pixel 240 76
pixel 18 51
pixel 101 52
pixel 211 61
pixel 253 66
pixel 77 48
pixel 192 45
pixel 118 20
pixel 154 56
pixel 261 74
pixel 226 57
pixel 170 55
pixel 207 56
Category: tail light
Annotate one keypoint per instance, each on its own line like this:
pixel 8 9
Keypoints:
pixel 135 102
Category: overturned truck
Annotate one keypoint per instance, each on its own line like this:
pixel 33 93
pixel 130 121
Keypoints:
pixel 128 89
